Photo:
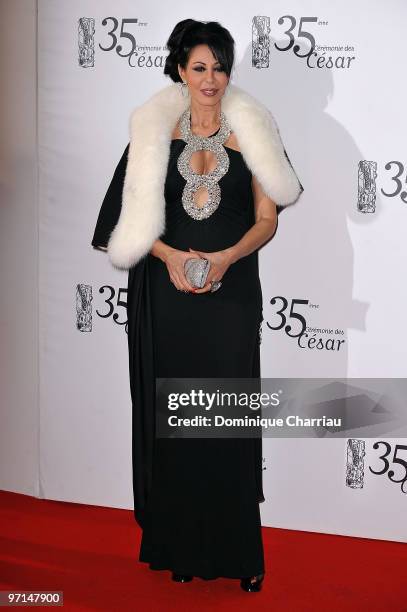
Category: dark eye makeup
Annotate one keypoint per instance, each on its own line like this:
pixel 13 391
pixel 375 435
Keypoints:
pixel 200 68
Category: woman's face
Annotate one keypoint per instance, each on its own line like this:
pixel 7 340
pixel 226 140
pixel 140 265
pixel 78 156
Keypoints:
pixel 203 72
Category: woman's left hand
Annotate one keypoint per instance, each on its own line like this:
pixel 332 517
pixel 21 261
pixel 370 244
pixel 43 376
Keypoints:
pixel 220 262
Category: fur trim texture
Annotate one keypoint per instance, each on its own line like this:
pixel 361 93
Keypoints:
pixel 142 216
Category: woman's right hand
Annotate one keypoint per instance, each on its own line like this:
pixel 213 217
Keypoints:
pixel 175 260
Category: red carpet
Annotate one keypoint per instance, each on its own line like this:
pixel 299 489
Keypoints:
pixel 90 553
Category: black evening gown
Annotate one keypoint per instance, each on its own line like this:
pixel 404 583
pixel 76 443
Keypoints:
pixel 202 517
pixel 196 499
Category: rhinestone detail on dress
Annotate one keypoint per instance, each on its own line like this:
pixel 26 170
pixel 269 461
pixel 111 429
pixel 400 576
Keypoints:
pixel 210 180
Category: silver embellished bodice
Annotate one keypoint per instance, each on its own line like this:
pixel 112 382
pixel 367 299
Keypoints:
pixel 209 181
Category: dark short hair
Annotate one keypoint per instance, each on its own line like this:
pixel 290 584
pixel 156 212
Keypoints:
pixel 189 33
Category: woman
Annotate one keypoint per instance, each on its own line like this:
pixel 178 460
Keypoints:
pixel 202 177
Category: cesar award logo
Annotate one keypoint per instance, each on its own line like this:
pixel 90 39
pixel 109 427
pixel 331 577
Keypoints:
pixel 289 29
pixel 288 316
pixel 115 301
pixel 367 175
pixel 84 307
pixel 387 458
pixel 119 37
pixel 86 43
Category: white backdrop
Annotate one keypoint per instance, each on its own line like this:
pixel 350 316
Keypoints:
pixel 342 119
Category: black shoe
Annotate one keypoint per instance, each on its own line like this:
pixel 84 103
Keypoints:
pixel 181 577
pixel 253 584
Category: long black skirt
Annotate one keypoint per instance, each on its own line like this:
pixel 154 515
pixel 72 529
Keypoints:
pixel 197 500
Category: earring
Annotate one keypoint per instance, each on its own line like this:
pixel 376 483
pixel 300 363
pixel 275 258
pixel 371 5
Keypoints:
pixel 184 90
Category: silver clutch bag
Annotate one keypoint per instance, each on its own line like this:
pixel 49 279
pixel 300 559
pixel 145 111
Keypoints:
pixel 196 271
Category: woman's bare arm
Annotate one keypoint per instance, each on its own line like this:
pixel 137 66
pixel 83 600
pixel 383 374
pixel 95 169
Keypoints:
pixel 161 250
pixel 263 228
